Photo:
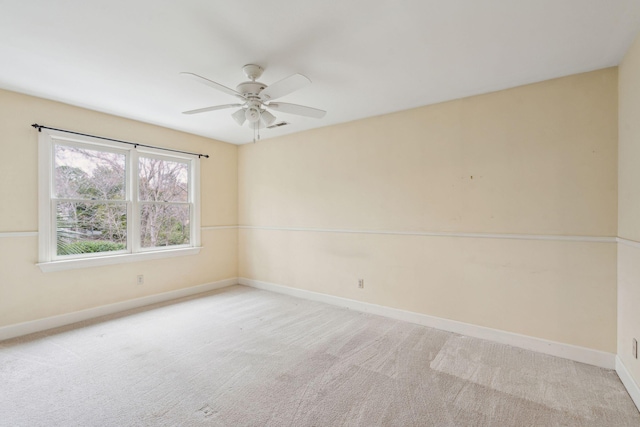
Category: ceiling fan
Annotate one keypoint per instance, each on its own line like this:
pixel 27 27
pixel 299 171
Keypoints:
pixel 257 98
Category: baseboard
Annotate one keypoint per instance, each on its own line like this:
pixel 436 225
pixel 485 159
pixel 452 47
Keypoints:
pixel 566 351
pixel 39 325
pixel 626 378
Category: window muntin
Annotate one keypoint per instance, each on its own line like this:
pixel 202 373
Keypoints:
pixel 100 199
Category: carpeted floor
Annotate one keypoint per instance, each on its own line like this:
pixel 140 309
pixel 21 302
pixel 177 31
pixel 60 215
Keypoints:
pixel 245 357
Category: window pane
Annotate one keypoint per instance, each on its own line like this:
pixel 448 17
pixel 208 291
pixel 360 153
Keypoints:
pixel 164 225
pixel 82 173
pixel 163 180
pixel 90 227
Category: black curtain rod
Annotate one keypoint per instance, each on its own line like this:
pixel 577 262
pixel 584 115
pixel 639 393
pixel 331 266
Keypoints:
pixel 135 144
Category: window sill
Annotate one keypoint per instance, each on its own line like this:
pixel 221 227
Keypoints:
pixel 71 264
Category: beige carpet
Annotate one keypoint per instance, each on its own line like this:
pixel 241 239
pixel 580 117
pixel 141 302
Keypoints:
pixel 245 357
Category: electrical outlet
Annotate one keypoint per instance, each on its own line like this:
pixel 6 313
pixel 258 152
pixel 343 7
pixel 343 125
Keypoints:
pixel 634 348
pixel 140 279
pixel 361 283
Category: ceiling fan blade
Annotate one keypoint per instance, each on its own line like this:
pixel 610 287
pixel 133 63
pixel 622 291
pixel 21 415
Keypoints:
pixel 217 107
pixel 212 84
pixel 300 110
pixel 285 86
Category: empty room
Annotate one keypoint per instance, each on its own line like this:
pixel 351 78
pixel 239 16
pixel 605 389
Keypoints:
pixel 296 213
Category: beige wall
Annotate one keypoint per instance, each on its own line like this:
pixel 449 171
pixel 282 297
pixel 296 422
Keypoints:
pixel 538 159
pixel 629 208
pixel 26 293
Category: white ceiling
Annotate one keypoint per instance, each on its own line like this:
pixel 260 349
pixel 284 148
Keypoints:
pixel 365 57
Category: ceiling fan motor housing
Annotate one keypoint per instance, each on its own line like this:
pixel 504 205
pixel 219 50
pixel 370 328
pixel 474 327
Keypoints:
pixel 251 89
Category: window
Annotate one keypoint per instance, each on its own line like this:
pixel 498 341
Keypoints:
pixel 107 202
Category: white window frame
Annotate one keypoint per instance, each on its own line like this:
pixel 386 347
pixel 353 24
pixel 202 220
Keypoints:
pixel 48 258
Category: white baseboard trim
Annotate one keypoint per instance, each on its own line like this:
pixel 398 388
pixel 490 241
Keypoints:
pixel 39 325
pixel 566 351
pixel 626 378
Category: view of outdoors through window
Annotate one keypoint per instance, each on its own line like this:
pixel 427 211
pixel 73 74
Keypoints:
pixel 90 200
pixel 91 209
pixel 163 188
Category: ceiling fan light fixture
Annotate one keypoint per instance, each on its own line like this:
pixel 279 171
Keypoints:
pixel 239 116
pixel 252 114
pixel 267 118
